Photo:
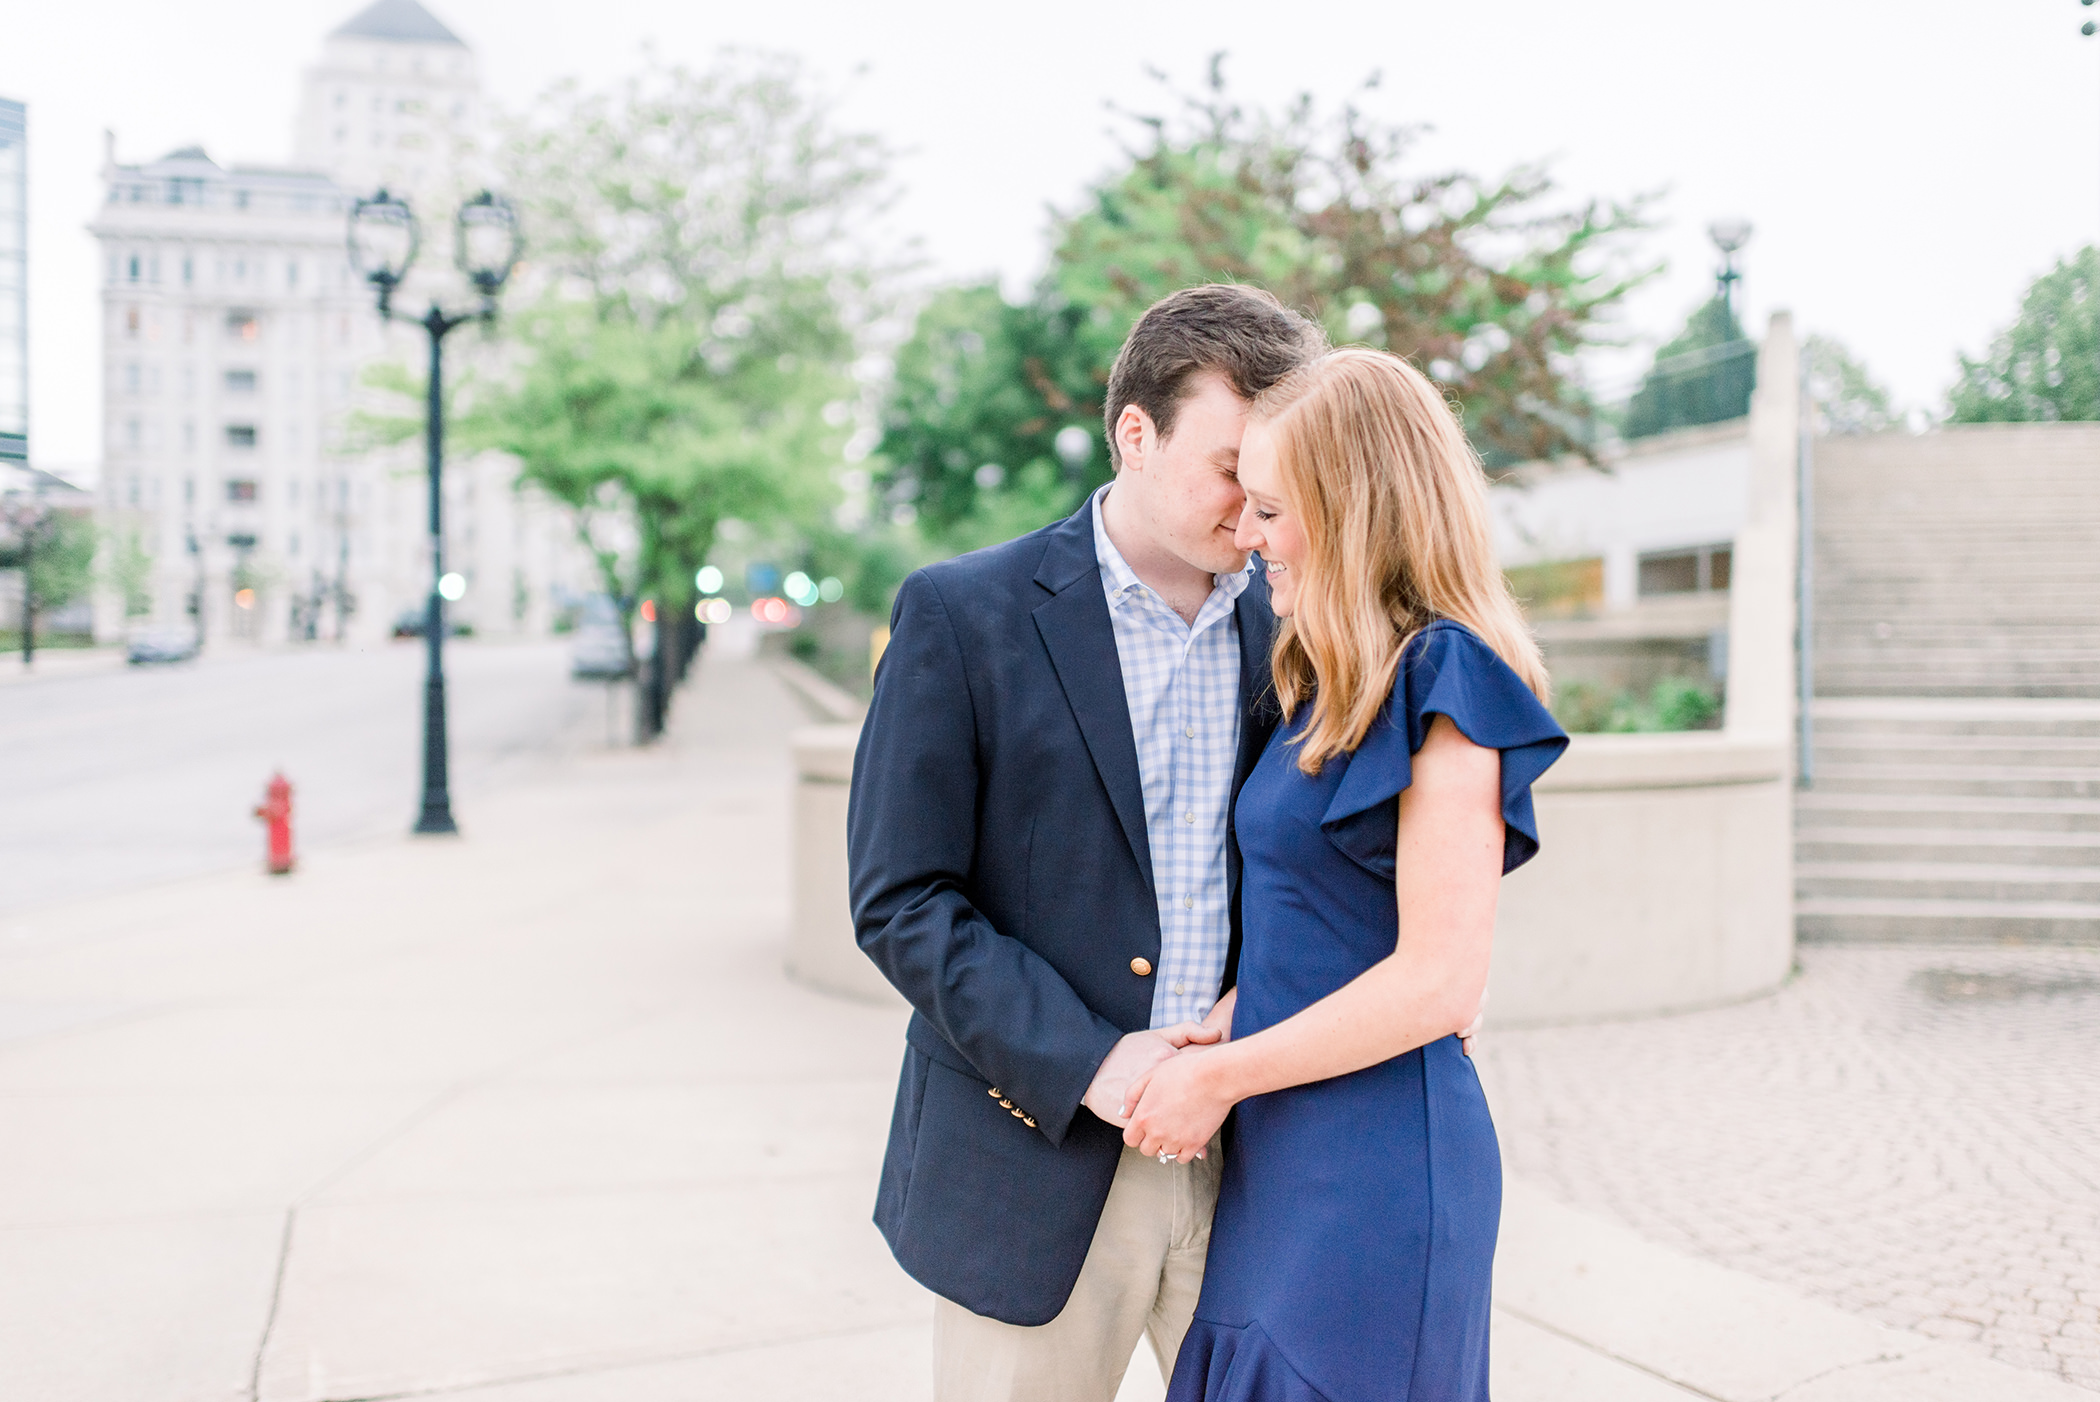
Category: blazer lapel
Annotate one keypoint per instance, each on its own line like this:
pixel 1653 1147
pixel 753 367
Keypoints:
pixel 1075 627
pixel 1258 712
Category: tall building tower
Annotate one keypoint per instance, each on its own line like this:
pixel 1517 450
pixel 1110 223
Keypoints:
pixel 14 282
pixel 232 332
pixel 395 101
pixel 236 338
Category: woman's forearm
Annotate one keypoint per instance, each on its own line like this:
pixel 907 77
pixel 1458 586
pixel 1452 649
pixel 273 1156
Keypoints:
pixel 1396 1005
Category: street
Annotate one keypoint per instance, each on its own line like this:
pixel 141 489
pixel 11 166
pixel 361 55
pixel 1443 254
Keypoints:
pixel 117 779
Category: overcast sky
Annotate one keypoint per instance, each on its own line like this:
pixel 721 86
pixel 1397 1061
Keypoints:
pixel 1909 167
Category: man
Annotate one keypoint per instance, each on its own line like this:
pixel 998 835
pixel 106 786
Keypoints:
pixel 1042 862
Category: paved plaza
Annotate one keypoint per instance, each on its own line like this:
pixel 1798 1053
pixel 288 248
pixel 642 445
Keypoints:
pixel 1911 1134
pixel 533 1115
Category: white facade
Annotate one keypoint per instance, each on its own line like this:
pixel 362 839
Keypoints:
pixel 1679 491
pixel 235 336
pixel 395 101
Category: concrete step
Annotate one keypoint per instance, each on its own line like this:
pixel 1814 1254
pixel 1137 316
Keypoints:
pixel 2021 846
pixel 1978 780
pixel 1818 809
pixel 1841 918
pixel 1977 683
pixel 1965 881
pixel 1998 751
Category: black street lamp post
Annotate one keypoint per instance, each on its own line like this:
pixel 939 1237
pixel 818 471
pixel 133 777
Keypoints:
pixel 384 239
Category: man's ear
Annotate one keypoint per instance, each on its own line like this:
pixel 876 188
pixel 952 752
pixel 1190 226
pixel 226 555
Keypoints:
pixel 1135 436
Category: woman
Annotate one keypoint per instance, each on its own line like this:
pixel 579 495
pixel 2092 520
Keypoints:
pixel 1351 1253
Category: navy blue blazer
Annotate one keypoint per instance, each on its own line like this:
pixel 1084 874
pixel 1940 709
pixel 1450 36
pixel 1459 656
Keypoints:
pixel 1002 880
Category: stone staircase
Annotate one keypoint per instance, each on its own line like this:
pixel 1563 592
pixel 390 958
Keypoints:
pixel 1957 761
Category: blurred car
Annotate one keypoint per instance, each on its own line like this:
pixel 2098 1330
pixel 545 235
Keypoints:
pixel 600 652
pixel 156 645
pixel 409 624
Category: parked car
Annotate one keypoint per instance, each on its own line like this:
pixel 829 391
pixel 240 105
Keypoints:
pixel 409 624
pixel 600 651
pixel 155 645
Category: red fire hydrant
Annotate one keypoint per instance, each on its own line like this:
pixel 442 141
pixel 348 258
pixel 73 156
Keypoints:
pixel 276 811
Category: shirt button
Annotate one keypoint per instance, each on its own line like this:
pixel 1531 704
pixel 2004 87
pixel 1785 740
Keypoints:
pixel 1178 988
pixel 1189 901
pixel 1190 732
pixel 1189 817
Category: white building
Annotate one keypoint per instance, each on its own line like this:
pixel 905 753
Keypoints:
pixel 235 335
pixel 1625 568
pixel 395 101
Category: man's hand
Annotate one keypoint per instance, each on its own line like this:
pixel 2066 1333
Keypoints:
pixel 1133 1056
pixel 1465 1038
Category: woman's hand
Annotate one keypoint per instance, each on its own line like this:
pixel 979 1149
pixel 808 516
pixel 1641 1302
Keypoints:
pixel 1177 1106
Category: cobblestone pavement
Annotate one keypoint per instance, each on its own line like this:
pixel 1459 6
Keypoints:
pixel 1912 1133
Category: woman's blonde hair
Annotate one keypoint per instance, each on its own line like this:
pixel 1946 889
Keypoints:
pixel 1393 503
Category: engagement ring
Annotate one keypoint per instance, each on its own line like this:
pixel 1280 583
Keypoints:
pixel 1164 1155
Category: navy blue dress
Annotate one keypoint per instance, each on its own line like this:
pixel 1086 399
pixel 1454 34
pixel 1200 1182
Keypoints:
pixel 1351 1255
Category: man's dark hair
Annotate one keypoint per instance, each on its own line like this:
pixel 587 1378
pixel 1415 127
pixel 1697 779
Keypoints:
pixel 1242 333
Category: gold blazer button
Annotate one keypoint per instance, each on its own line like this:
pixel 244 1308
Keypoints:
pixel 1141 966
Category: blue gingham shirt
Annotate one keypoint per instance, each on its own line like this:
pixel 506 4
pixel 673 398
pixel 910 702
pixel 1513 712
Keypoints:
pixel 1182 681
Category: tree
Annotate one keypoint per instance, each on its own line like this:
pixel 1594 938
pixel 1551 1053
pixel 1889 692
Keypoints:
pixel 1846 399
pixel 615 414
pixel 55 550
pixel 2046 365
pixel 701 237
pixel 1704 375
pixel 1476 280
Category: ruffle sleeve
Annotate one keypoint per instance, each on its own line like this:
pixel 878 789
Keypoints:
pixel 1446 671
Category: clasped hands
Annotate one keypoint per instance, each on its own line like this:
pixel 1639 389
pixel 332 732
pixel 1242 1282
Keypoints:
pixel 1157 1086
pixel 1159 1115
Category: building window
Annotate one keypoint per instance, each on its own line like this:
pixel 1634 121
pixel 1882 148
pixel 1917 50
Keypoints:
pixel 189 271
pixel 241 540
pixel 1703 569
pixel 189 491
pixel 131 433
pixel 240 435
pixel 242 326
pixel 132 268
pixel 131 322
pixel 240 489
pixel 291 273
pixel 189 437
pixel 131 378
pixel 240 382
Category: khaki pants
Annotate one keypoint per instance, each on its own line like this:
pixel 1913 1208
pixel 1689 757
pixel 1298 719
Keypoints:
pixel 1141 1279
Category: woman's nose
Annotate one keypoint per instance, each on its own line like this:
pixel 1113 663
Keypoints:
pixel 1244 536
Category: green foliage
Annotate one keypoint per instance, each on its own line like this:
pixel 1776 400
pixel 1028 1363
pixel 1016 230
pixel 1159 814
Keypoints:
pixel 1471 278
pixel 131 572
pixel 1675 703
pixel 1845 396
pixel 2046 365
pixel 698 239
pixel 1704 375
pixel 614 415
pixel 60 549
pixel 979 395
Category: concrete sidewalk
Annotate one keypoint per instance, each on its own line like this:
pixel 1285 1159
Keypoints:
pixel 533 1116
